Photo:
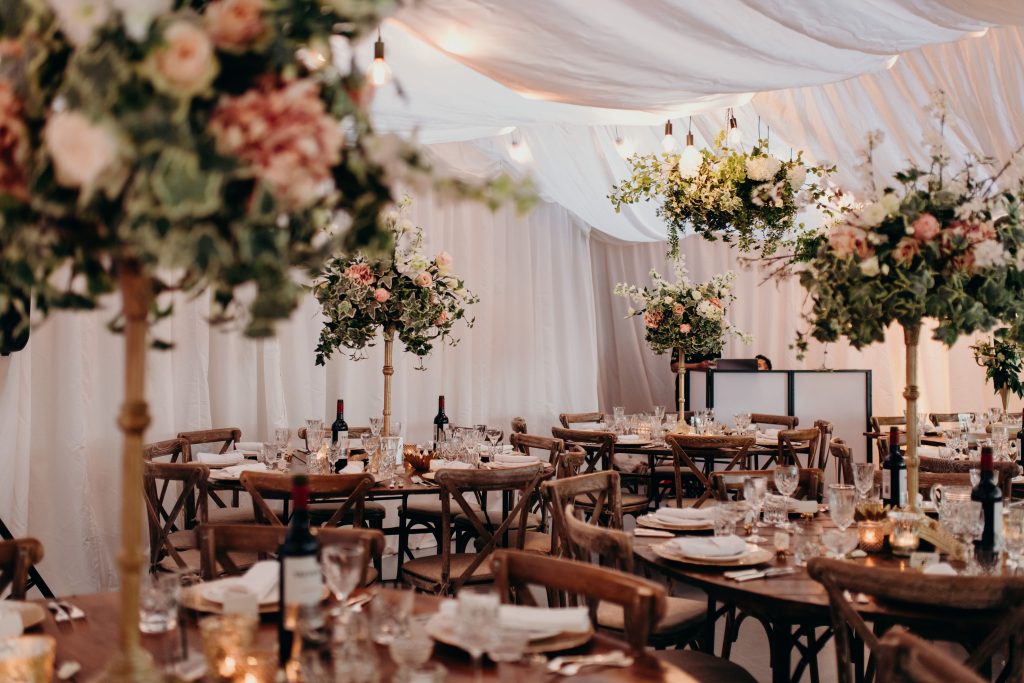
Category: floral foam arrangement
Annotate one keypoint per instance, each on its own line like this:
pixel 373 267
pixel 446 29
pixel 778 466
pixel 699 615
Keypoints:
pixel 684 315
pixel 405 293
pixel 750 197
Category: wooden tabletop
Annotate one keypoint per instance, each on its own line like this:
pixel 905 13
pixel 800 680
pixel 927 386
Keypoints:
pixel 92 642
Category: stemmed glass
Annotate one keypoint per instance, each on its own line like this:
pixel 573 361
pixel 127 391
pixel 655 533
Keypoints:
pixel 841 504
pixel 1013 536
pixel 282 436
pixel 754 491
pixel 863 478
pixel 376 424
pixel 787 479
pixel 970 523
pixel 343 568
pixel 392 446
pixel 494 437
pixel 478 613
pixel 742 422
pixel 659 413
pixel 372 446
pixel 313 426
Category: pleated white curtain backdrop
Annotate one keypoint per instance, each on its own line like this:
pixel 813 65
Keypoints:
pixel 532 352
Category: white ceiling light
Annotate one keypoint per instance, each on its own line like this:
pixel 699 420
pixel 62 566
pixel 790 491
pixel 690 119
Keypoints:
pixel 734 138
pixel 519 150
pixel 668 143
pixel 379 73
pixel 690 159
pixel 623 145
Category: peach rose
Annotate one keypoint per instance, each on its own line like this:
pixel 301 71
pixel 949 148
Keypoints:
pixel 685 328
pixel 184 65
pixel 442 318
pixel 715 301
pixel 444 261
pixel 82 151
pixel 360 273
pixel 381 295
pixel 926 227
pixel 235 24
pixel 906 250
pixel 678 309
pixel 423 280
pixel 652 318
pixel 847 240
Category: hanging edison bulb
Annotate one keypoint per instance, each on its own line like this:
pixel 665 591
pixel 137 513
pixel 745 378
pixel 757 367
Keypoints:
pixel 519 150
pixel 690 160
pixel 668 143
pixel 379 73
pixel 623 145
pixel 734 138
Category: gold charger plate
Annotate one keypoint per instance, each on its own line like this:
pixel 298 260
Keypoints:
pixel 667 551
pixel 651 522
pixel 32 614
pixel 444 630
pixel 192 598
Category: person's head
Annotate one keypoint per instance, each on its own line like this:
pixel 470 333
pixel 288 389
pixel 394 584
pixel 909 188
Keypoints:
pixel 763 362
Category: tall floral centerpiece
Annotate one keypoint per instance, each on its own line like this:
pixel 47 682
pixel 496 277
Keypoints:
pixel 404 293
pixel 1003 360
pixel 925 247
pixel 683 315
pixel 152 146
pixel 750 197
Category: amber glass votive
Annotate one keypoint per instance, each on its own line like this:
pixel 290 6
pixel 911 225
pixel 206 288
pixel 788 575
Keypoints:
pixel 904 538
pixel 28 659
pixel 226 640
pixel 871 536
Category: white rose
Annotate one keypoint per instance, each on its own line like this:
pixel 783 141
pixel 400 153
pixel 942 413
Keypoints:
pixel 890 202
pixel 989 254
pixel 79 19
pixel 873 214
pixel 796 176
pixel 869 266
pixel 697 296
pixel 763 168
pixel 81 150
pixel 138 15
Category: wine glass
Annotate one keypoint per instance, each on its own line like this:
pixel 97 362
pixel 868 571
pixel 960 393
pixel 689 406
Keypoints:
pixel 839 542
pixel 494 437
pixel 392 446
pixel 754 491
pixel 376 424
pixel 372 446
pixel 343 567
pixel 842 500
pixel 411 649
pixel 282 437
pixel 863 478
pixel 478 613
pixel 787 479
pixel 659 413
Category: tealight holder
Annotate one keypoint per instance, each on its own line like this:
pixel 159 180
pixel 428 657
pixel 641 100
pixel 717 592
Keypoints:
pixel 871 536
pixel 226 639
pixel 257 666
pixel 904 537
pixel 27 658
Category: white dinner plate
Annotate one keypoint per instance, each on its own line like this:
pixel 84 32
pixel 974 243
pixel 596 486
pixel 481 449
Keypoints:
pixel 753 555
pixel 651 522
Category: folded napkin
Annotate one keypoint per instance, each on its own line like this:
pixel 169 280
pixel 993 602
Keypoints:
pixel 10 623
pixel 940 569
pixel 235 471
pixel 507 448
pixel 930 451
pixel 353 467
pixel 588 426
pixel 653 533
pixel 252 447
pixel 770 433
pixel 710 546
pixel 534 620
pixel 629 438
pixel 261 580
pixel 218 459
pixel 677 515
pixel 515 459
pixel 436 465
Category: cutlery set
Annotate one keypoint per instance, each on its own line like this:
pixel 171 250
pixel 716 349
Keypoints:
pixel 570 666
pixel 752 574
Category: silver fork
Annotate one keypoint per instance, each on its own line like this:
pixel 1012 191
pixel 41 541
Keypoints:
pixel 570 666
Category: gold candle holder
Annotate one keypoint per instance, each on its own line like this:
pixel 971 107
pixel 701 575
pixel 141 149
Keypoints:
pixel 226 640
pixel 871 536
pixel 28 659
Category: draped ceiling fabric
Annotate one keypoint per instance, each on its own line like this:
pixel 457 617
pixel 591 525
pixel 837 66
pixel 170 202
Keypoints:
pixel 569 78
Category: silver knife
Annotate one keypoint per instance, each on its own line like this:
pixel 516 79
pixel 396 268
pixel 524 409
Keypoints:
pixel 766 574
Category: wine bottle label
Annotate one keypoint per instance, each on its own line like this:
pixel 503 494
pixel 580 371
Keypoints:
pixel 887 486
pixel 902 478
pixel 997 522
pixel 303 583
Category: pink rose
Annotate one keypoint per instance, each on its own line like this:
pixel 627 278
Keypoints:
pixel 442 318
pixel 235 24
pixel 423 280
pixel 926 227
pixel 847 240
pixel 652 318
pixel 184 64
pixel 684 328
pixel 360 273
pixel 906 250
pixel 715 301
pixel 381 295
pixel 443 261
pixel 82 151
pixel 678 309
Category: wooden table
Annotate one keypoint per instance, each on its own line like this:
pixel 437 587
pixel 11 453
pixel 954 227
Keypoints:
pixel 789 605
pixel 92 642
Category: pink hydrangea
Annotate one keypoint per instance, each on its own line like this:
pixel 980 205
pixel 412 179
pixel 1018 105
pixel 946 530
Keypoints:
pixel 284 132
pixel 360 273
pixel 926 227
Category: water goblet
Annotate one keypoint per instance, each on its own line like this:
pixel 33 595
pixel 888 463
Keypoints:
pixel 787 479
pixel 659 413
pixel 478 613
pixel 842 501
pixel 863 477
pixel 493 437
pixel 282 437
pixel 343 567
pixel 840 542
pixel 754 491
pixel 392 447
pixel 410 650
pixel 376 424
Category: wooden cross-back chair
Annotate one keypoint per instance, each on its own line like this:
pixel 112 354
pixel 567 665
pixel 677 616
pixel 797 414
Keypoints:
pixel 600 446
pixel 824 428
pixel 176 500
pixel 843 455
pixel 949 608
pixel 781 421
pixel 224 436
pixel 902 657
pixel 938 418
pixel 17 558
pixel 880 425
pixel 550 449
pixel 729 485
pixel 519 425
pixel 792 442
pixel 448 571
pixel 220 544
pixel 735 448
pixel 348 491
pixel 567 420
pixel 598 495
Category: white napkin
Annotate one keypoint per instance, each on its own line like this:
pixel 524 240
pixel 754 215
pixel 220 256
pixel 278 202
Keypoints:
pixel 587 426
pixel 235 471
pixel 436 465
pixel 353 467
pixel 711 546
pixel 10 623
pixel 515 459
pixel 261 580
pixel 507 448
pixel 248 447
pixel 629 438
pixel 929 451
pixel 940 569
pixel 767 437
pixel 533 619
pixel 229 458
pixel 677 515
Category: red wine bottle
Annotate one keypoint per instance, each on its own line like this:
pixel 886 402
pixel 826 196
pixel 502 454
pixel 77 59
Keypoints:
pixel 986 548
pixel 440 421
pixel 894 473
pixel 301 583
pixel 340 427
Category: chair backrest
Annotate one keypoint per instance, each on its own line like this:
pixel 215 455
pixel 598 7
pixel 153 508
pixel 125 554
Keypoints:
pixel 825 429
pixel 519 425
pixel 642 601
pixel 880 425
pixel 729 485
pixel 792 440
pixel 16 558
pixel 600 446
pixel 844 460
pixel 962 477
pixel 551 449
pixel 176 450
pixel 569 419
pixel 902 656
pixel 598 494
pixel 176 500
pixel 225 437
pixel 941 595
pixel 217 542
pixel 350 488
pixel 683 444
pixel 595 544
pixel 522 482
pixel 939 418
pixel 784 421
